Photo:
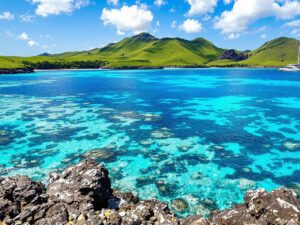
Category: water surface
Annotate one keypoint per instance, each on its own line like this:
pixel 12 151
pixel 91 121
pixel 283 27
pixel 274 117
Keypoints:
pixel 203 135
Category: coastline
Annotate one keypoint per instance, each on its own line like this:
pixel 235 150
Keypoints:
pixel 31 70
pixel 82 194
pixel 16 70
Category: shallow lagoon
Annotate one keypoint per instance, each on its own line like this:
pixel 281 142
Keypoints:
pixel 203 135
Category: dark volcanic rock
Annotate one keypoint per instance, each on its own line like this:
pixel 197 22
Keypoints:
pixel 277 207
pixel 82 195
pixel 233 55
pixel 84 186
pixel 18 193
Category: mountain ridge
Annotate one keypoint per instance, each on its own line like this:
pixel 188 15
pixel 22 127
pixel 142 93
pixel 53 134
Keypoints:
pixel 147 51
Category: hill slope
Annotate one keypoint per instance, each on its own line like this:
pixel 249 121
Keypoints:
pixel 277 52
pixel 145 50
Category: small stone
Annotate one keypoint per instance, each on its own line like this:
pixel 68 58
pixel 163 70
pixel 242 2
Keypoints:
pixel 81 220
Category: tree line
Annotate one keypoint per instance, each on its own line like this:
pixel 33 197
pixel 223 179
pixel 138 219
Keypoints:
pixel 65 65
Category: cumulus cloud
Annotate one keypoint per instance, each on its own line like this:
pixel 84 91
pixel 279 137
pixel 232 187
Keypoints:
pixel 6 16
pixel 114 2
pixel 24 37
pixel 198 7
pixel 56 7
pixel 136 18
pixel 245 12
pixel 159 3
pixel 191 26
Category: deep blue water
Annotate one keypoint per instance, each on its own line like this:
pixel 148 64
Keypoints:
pixel 203 135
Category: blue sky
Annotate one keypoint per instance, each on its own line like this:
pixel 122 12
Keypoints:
pixel 30 27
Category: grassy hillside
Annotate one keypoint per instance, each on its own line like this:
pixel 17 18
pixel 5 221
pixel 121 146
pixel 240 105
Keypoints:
pixel 278 52
pixel 7 63
pixel 145 50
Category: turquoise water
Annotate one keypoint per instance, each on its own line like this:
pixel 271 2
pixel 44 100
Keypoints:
pixel 203 135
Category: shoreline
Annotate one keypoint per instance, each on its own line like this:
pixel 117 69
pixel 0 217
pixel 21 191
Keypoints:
pixel 82 195
pixel 30 70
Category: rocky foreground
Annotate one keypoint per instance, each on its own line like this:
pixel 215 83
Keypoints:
pixel 82 194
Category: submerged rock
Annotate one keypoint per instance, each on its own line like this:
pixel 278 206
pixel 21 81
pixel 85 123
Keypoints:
pixel 179 205
pixel 162 133
pixel 291 146
pixel 101 154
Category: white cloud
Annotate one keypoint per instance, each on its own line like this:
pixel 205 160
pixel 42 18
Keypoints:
pixel 24 37
pixel 286 10
pixel 227 2
pixel 114 2
pixel 296 32
pixel 294 23
pixel 233 36
pixel 191 26
pixel 174 24
pixel 6 16
pixel 119 32
pixel 32 43
pixel 56 7
pixel 198 7
pixel 263 36
pixel 159 3
pixel 136 18
pixel 245 12
pixel 26 18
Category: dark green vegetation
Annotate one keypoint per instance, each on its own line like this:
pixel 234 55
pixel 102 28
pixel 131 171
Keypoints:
pixel 147 51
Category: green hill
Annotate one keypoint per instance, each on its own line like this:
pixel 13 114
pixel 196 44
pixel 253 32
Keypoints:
pixel 145 50
pixel 278 52
pixel 7 63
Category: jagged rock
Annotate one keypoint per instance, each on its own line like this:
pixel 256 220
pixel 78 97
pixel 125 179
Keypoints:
pixel 84 186
pixel 150 212
pixel 82 195
pixel 18 193
pixel 195 220
pixel 278 207
pixel 233 55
